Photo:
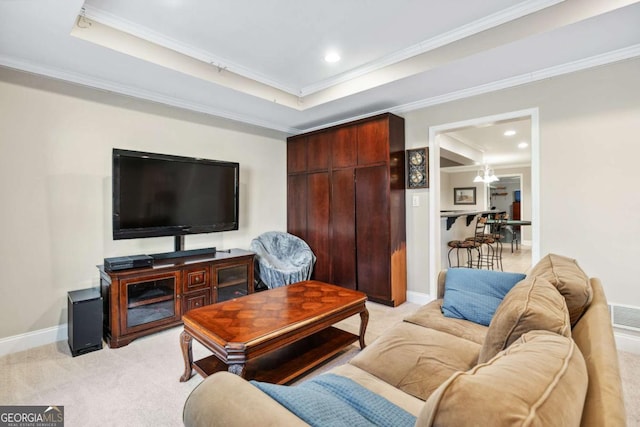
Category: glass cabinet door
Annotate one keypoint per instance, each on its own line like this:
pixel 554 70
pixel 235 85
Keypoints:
pixel 231 281
pixel 150 300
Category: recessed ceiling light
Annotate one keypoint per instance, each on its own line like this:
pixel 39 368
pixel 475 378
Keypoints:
pixel 510 133
pixel 523 145
pixel 332 57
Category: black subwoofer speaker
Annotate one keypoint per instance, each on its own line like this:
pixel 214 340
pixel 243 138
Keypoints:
pixel 84 321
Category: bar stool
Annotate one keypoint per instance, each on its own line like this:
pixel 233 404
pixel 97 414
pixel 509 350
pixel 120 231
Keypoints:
pixel 515 232
pixel 484 240
pixel 497 230
pixel 468 245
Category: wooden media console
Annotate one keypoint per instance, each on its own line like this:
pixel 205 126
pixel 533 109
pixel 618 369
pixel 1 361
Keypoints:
pixel 142 301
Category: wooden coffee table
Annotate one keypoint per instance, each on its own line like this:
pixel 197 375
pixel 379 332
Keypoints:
pixel 275 335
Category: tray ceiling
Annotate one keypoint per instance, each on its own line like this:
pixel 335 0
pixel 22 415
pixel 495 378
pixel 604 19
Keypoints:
pixel 262 62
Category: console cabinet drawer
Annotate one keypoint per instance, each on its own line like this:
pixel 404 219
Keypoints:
pixel 196 279
pixel 195 300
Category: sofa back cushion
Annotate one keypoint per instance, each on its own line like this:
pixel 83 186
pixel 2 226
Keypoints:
pixel 533 304
pixel 430 316
pixel 572 282
pixel 474 295
pixel 540 380
pixel 416 359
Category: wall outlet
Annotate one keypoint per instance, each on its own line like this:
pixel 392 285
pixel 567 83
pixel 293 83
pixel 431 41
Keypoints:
pixel 416 201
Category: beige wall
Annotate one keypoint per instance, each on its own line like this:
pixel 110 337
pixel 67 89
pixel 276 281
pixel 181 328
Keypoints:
pixel 55 185
pixel 55 151
pixel 589 148
pixel 460 180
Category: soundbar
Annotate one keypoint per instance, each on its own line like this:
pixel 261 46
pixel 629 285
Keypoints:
pixel 185 253
pixel 127 262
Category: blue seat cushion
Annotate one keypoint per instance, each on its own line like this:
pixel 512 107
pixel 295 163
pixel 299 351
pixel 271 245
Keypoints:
pixel 475 295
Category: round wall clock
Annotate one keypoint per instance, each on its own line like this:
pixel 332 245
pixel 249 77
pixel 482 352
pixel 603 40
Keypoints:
pixel 418 170
pixel 417 158
pixel 416 177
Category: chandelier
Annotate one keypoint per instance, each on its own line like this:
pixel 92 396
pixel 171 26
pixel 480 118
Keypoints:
pixel 487 176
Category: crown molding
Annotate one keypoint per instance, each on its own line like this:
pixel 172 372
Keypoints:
pixel 558 70
pixel 491 21
pixel 148 95
pixel 488 22
pixel 594 61
pixel 583 64
pixel 154 37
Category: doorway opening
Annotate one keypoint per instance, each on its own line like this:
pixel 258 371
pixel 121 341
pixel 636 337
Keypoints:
pixel 506 195
pixel 439 144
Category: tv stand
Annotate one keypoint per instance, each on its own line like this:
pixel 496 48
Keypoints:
pixel 141 301
pixel 207 252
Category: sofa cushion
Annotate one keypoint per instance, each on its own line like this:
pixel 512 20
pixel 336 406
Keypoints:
pixel 474 295
pixel 532 304
pixel 416 359
pixel 572 282
pixel 430 316
pixel 541 380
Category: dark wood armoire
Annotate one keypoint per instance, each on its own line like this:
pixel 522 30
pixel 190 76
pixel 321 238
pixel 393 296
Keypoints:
pixel 346 199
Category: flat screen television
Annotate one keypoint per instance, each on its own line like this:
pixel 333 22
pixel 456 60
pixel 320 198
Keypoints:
pixel 163 195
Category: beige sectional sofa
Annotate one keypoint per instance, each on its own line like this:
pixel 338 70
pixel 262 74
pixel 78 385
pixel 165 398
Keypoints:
pixel 548 358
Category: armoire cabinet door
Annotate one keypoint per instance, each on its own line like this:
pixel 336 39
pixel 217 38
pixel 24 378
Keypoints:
pixel 343 232
pixel 318 223
pixel 297 154
pixel 373 142
pixel 343 147
pixel 297 205
pixel 318 152
pixel 373 231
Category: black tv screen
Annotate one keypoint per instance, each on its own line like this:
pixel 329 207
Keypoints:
pixel 162 195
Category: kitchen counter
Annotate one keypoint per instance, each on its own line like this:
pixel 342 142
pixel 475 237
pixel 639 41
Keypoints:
pixel 453 215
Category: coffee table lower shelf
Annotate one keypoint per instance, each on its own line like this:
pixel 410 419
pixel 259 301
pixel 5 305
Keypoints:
pixel 287 363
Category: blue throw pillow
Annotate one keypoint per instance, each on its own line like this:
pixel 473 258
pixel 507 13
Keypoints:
pixel 476 294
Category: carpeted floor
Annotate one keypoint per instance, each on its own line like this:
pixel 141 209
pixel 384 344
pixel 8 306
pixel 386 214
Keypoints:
pixel 137 385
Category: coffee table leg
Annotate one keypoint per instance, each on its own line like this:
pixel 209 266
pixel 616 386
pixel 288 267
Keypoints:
pixel 364 320
pixel 237 369
pixel 187 355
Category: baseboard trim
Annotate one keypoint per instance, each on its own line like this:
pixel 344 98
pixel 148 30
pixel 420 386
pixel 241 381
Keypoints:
pixel 627 342
pixel 16 343
pixel 418 297
pixel 33 339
